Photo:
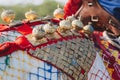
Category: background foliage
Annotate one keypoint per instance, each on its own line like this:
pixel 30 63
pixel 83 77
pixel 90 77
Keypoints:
pixel 46 8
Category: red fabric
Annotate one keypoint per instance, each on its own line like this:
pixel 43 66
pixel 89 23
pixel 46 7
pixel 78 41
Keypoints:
pixel 3 27
pixel 36 23
pixel 55 21
pixel 7 48
pixel 72 7
pixel 22 42
pixel 116 73
pixel 24 29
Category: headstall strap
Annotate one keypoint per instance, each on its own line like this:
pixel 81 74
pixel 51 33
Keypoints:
pixel 92 11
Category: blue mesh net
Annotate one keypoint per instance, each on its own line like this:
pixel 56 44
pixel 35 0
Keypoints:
pixel 47 72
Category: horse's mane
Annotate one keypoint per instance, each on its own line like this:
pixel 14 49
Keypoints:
pixel 71 7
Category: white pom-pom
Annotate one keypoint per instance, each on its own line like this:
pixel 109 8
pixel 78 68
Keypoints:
pixel 77 23
pixel 65 24
pixel 48 28
pixel 88 28
pixel 38 32
pixel 71 18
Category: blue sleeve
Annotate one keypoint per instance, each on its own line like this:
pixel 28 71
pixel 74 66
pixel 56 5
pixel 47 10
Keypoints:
pixel 112 6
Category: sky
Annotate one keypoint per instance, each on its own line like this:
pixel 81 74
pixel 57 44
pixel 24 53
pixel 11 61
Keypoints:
pixel 36 2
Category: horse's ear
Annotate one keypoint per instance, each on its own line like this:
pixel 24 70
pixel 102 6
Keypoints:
pixel 71 7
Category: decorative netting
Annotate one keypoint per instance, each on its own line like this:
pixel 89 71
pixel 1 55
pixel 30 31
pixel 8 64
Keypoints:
pixel 98 71
pixel 21 66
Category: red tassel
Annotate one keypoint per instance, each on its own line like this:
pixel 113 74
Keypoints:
pixel 72 7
